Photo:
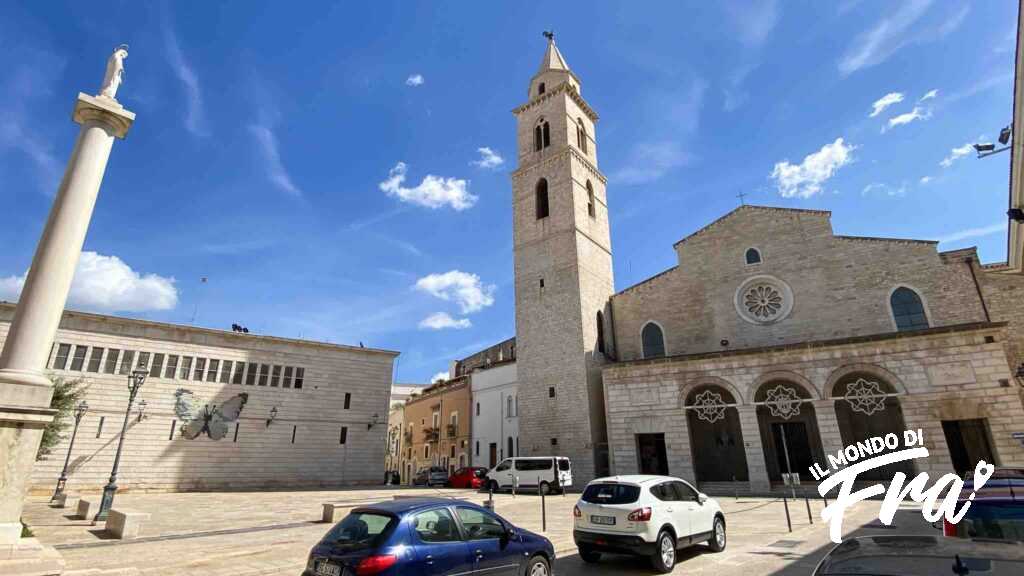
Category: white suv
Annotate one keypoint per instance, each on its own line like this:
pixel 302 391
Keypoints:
pixel 645 515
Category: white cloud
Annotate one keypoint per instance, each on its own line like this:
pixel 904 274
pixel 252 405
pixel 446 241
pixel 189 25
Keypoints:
pixel 805 179
pixel 649 161
pixel 956 154
pixel 929 95
pixel 488 158
pixel 414 80
pixel 266 141
pixel 442 320
pixel 753 21
pixel 195 117
pixel 106 283
pixel 884 102
pixel 918 113
pixel 925 180
pixel 974 232
pixel 465 289
pixel 885 189
pixel 432 192
pixel 876 44
pixel 439 377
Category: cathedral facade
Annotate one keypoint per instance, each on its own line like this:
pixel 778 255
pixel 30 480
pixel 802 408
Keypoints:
pixel 772 343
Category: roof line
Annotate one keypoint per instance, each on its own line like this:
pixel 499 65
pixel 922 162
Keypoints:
pixel 203 330
pixel 745 207
pixel 881 239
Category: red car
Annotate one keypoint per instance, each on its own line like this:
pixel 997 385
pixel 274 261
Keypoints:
pixel 468 477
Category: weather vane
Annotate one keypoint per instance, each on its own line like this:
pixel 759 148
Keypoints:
pixel 550 35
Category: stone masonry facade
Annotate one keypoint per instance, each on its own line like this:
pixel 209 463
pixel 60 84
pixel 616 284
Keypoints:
pixel 318 439
pixel 952 373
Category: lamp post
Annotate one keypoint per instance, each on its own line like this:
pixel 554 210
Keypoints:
pixel 135 381
pixel 80 411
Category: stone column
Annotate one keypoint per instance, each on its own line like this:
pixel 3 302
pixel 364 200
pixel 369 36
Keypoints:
pixel 756 467
pixel 828 428
pixel 25 390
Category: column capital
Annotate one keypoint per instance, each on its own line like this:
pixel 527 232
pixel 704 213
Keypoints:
pixel 105 110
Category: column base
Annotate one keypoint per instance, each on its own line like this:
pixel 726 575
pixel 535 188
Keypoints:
pixel 25 389
pixel 30 558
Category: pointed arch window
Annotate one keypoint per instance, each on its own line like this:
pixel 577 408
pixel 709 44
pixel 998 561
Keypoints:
pixel 653 340
pixel 600 332
pixel 581 135
pixel 547 134
pixel 542 198
pixel 591 210
pixel 540 88
pixel 907 310
pixel 753 256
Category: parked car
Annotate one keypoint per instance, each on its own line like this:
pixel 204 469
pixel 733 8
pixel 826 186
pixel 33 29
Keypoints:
pixel 433 476
pixel 542 473
pixel 922 556
pixel 997 511
pixel 427 536
pixel 651 516
pixel 468 477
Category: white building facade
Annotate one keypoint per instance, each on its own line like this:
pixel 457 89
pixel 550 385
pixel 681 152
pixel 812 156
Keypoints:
pixel 495 414
pixel 329 427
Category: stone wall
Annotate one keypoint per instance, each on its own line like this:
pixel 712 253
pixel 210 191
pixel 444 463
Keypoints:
pixel 840 285
pixel 157 457
pixel 942 374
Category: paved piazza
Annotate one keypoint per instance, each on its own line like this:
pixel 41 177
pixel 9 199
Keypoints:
pixel 250 533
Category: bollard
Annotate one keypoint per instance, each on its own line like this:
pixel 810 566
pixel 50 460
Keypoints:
pixel 515 484
pixel 808 503
pixel 543 509
pixel 735 488
pixel 490 495
pixel 785 503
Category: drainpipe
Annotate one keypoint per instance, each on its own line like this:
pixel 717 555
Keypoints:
pixel 977 286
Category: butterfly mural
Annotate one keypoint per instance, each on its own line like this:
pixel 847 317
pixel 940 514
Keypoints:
pixel 210 418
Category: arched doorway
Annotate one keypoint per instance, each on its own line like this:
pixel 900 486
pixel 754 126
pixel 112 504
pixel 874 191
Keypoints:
pixel 789 429
pixel 868 406
pixel 716 439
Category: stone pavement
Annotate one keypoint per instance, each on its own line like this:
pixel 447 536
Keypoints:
pixel 251 533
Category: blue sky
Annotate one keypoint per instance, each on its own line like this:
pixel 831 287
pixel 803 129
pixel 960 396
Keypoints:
pixel 321 165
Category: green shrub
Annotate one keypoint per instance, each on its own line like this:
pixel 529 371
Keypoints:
pixel 66 395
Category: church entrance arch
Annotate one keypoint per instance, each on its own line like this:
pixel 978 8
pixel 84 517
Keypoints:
pixel 867 406
pixel 789 429
pixel 716 439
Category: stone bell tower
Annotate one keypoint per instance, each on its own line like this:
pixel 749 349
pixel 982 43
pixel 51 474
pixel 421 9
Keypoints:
pixel 563 272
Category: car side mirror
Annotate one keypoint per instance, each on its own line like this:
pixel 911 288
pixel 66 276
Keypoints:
pixel 702 497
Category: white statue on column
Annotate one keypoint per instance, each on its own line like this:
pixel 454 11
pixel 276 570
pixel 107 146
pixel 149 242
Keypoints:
pixel 115 72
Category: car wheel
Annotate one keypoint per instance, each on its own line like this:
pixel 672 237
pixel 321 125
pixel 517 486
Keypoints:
pixel 717 540
pixel 664 558
pixel 545 488
pixel 589 556
pixel 537 566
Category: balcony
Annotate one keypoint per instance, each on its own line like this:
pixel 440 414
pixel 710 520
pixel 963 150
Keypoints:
pixel 408 436
pixel 452 430
pixel 431 434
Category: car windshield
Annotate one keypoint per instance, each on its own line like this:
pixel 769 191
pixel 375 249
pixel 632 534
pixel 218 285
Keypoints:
pixel 359 531
pixel 611 494
pixel 998 520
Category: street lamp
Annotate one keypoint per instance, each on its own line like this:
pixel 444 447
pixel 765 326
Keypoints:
pixel 80 411
pixel 135 381
pixel 142 410
pixel 373 421
pixel 273 416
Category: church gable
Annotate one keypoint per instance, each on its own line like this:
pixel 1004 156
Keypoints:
pixel 766 276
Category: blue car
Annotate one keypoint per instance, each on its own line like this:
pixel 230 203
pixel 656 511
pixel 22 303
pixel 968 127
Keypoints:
pixel 427 537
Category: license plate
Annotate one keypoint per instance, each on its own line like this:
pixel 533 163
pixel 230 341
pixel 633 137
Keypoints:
pixel 325 568
pixel 606 520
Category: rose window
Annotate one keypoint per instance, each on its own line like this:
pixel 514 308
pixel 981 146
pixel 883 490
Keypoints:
pixel 763 301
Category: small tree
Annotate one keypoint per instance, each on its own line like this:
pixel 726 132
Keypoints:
pixel 66 395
